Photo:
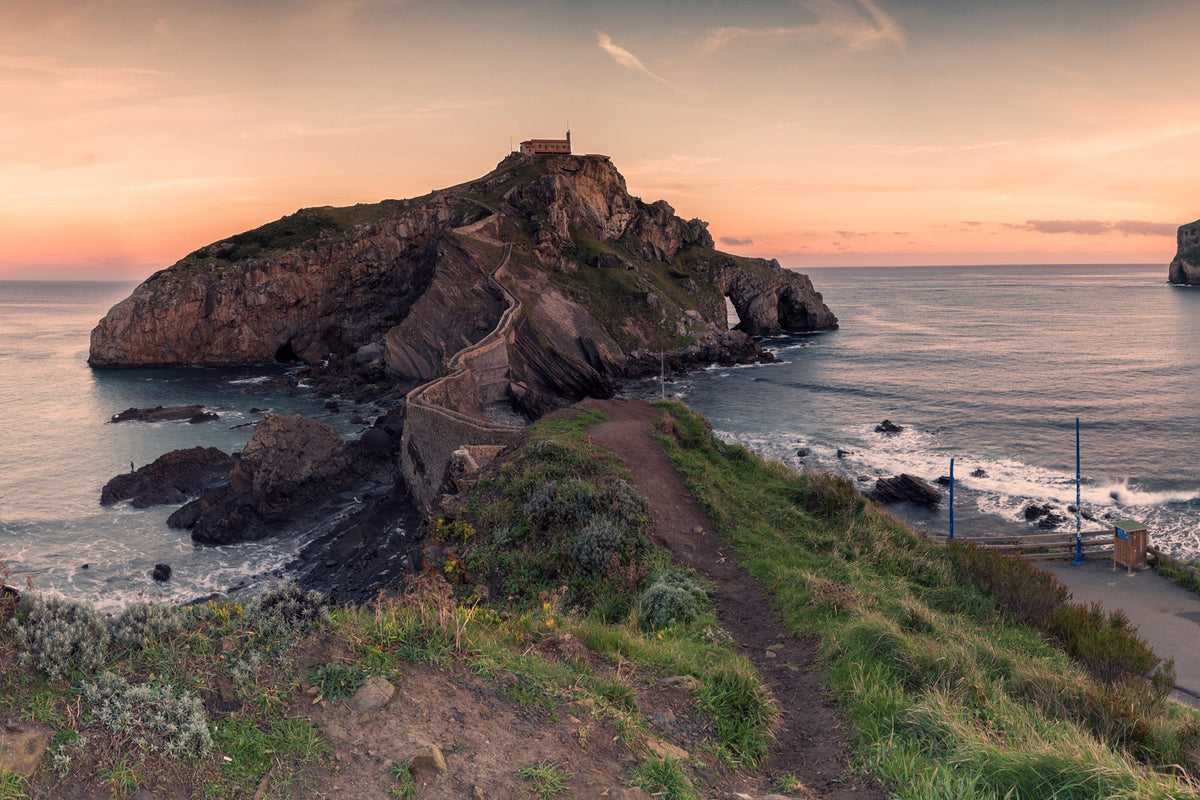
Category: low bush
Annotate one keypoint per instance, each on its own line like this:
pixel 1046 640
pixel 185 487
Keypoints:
pixel 148 718
pixel 621 501
pixel 595 545
pixel 282 610
pixel 1103 643
pixel 673 598
pixel 560 503
pixel 139 625
pixel 57 636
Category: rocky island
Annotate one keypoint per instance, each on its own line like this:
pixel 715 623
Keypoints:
pixel 1185 267
pixel 485 305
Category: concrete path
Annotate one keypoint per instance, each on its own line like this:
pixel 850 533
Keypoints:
pixel 1167 617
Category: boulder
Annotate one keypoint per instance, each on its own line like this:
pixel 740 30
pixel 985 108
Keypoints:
pixel 170 479
pixel 887 426
pixel 290 464
pixel 905 488
pixel 161 572
pixel 979 472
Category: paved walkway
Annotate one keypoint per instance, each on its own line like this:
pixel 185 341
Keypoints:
pixel 1167 617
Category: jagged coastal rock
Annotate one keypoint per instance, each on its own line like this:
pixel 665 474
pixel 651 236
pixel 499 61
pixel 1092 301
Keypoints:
pixel 290 463
pixel 397 288
pixel 1185 267
pixel 172 478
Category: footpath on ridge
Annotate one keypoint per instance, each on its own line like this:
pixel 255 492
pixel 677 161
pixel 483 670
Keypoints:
pixel 1165 615
pixel 812 737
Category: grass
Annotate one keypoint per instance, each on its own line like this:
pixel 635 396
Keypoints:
pixel 407 790
pixel 663 778
pixel 12 786
pixel 548 778
pixel 948 697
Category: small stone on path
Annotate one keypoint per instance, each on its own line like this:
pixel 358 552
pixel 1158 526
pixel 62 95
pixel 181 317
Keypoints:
pixel 372 695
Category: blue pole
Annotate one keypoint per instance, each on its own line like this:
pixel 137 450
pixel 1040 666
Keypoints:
pixel 1078 508
pixel 951 498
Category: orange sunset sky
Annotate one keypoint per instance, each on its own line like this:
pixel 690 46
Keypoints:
pixel 819 132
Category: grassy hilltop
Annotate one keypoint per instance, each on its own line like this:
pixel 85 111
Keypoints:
pixel 557 651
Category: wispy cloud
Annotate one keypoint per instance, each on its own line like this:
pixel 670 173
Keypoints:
pixel 1097 227
pixel 735 241
pixel 853 24
pixel 627 59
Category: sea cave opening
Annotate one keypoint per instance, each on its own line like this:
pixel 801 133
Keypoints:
pixel 285 354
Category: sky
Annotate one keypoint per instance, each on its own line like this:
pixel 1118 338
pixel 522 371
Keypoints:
pixel 818 132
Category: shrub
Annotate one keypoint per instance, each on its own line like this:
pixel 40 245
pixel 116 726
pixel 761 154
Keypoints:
pixel 141 624
pixel 596 545
pixel 150 718
pixel 283 610
pixel 672 598
pixel 1104 644
pixel 565 502
pixel 57 635
pixel 620 501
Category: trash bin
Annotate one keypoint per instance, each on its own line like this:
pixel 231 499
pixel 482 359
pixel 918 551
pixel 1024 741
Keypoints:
pixel 1129 544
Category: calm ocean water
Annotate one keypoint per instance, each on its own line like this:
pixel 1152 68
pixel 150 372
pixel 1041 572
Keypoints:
pixel 58 450
pixel 990 365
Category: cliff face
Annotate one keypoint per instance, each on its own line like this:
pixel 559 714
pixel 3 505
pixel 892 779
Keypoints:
pixel 401 286
pixel 1185 268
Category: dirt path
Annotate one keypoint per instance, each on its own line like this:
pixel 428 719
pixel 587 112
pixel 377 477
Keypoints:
pixel 812 741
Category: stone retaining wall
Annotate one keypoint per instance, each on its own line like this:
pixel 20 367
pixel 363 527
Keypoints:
pixel 446 414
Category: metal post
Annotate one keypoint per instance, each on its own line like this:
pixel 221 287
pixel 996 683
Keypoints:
pixel 952 497
pixel 1078 509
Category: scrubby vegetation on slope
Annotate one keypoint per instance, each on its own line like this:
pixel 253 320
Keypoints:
pixel 950 694
pixel 560 535
pixel 947 663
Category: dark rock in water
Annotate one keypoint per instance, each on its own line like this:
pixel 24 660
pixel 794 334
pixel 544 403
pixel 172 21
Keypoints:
pixel 1085 513
pixel 943 480
pixel 725 348
pixel 161 572
pixel 1051 521
pixel 905 488
pixel 332 405
pixel 802 453
pixel 85 566
pixel 843 453
pixel 978 473
pixel 255 410
pixel 1033 511
pixel 204 416
pixel 170 479
pixel 281 384
pixel 887 426
pixel 160 414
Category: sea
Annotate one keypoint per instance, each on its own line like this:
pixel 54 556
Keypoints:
pixel 58 449
pixel 990 366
